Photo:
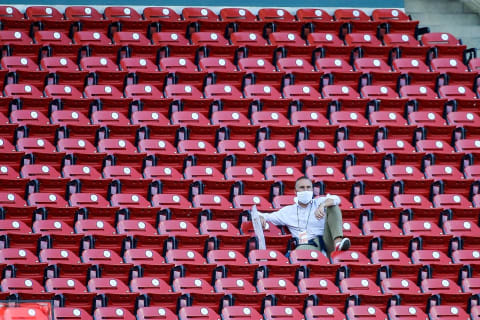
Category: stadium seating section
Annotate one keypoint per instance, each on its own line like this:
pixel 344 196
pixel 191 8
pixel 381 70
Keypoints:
pixel 134 143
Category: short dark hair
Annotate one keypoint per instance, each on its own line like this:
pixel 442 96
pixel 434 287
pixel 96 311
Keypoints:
pixel 303 178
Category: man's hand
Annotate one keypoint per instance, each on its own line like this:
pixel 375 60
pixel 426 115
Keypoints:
pixel 320 212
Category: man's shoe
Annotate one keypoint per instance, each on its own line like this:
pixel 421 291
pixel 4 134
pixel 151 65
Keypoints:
pixel 343 245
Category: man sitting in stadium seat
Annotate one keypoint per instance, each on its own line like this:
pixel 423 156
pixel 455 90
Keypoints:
pixel 316 223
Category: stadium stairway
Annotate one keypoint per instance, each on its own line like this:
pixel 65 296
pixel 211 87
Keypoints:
pixel 454 15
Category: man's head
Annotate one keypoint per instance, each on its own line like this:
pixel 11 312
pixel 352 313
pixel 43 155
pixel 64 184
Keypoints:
pixel 303 184
pixel 304 191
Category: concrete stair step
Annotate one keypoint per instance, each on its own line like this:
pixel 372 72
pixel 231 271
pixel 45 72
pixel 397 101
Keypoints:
pixel 427 19
pixel 413 7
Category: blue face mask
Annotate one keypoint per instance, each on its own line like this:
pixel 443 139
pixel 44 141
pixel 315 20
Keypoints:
pixel 304 196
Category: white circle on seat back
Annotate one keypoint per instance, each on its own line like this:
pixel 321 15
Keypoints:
pixel 417 199
pixel 94 197
pixel 155 116
pixel 427 225
pixel 253 36
pixel 241 144
pixel 34 114
pixel 155 282
pixel 161 311
pixel 119 312
pixel 247 311
pixel 204 12
pixel 74 115
pixel 274 116
pixel 231 254
pixel 260 62
pixel 190 254
pixel 467 225
pixel 377 199
pixel 367 37
pixel 383 90
pixel 431 116
pixel 17 35
pixel 108 89
pixel 439 144
pixel 395 255
pixel 235 115
pixel 48 10
pixel 299 62
pixel 15 224
pixel 88 11
pixel 213 36
pixel 422 90
pixel 323 283
pixel 356 13
pixel 404 283
pixel 345 89
pixel 166 11
pixel 448 170
pixel 454 310
pixel 103 61
pixel 469 116
pixel 306 90
pixel 9 10
pixel 371 310
pixel 476 254
pixel 32 312
pixel 444 37
pixel 135 198
pixel 281 144
pixel 198 282
pixel 100 224
pixel 329 170
pixel 96 36
pixel 22 253
pixel 414 63
pixel 56 35
pixel 436 254
pixel 329 37
pixel 272 254
pixel 148 253
pixel 176 198
pixel 107 254
pixel 412 310
pixel 369 170
pixel 346 226
pixel 280 13
pixel 45 169
pixel 201 145
pixel 376 63
pixel 204 311
pixel 401 144
pixel 28 283
pixel 360 144
pixel 167 171
pixel 182 225
pixel 354 255
pixel 249 171
pixel 4 169
pixel 461 90
pixel 122 143
pixel 282 283
pixel 52 197
pixel 291 36
pixel 387 226
pixel 456 198
pixel 174 36
pixel 188 89
pixel 40 142
pixel 445 283
pixel 28 88
pixel 182 61
pixel 240 283
pixel 353 116
pixel 135 36
pixel 113 283
pixel 256 200
pixel 453 62
pixel 318 13
pixel 86 170
pixel 148 89
pixel 314 254
pixel 67 89
pixel 141 225
pixel 288 310
pixel 228 89
pixel 23 61
pixel 161 144
pixel 321 145
pixel 405 38
pixel 477 143
pixel 222 62
pixel 338 63
pixel 70 283
pixel 267 89
pixel 241 12
pixel 313 115
pixel 114 115
pixel 209 171
pixel 126 11
pixel 364 283
pixel 217 199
